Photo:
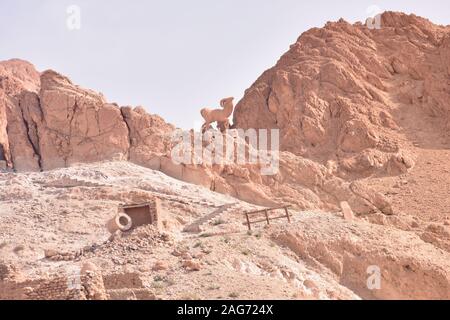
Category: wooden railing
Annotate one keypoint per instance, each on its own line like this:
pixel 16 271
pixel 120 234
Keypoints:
pixel 267 218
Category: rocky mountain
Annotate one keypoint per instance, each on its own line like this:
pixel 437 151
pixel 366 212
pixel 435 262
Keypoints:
pixel 348 100
pixel 346 95
pixel 363 117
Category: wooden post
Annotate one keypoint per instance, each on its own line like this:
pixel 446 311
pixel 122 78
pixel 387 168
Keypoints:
pixel 267 216
pixel 248 222
pixel 287 214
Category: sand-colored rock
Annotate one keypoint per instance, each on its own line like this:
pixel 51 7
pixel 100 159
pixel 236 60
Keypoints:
pixel 16 76
pixel 192 265
pixel 347 211
pixel 149 135
pixel 341 90
pixel 4 141
pixel 78 125
pixel 24 116
pixel 352 251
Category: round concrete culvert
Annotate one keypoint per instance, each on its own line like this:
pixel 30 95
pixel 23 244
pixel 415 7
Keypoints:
pixel 120 222
pixel 123 221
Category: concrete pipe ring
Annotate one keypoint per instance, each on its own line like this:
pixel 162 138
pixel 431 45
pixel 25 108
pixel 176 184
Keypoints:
pixel 121 222
pixel 124 222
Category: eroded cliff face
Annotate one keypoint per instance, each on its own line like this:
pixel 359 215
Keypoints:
pixel 4 143
pixel 348 101
pixel 54 124
pixel 16 76
pixel 78 125
pixel 344 93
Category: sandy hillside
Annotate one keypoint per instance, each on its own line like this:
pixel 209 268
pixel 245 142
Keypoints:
pixel 318 256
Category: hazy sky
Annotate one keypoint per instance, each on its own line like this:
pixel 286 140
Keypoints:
pixel 174 57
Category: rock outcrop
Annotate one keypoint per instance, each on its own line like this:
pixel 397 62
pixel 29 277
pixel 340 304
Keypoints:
pixel 78 125
pixel 343 93
pixel 54 124
pixel 4 142
pixel 352 256
pixel 149 137
pixel 15 77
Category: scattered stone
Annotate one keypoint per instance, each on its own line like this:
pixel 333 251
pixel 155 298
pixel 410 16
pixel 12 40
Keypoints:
pixel 116 235
pixel 160 266
pixel 191 265
pixel 49 253
pixel 347 211
pixel 414 224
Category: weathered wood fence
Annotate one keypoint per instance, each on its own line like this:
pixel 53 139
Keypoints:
pixel 267 217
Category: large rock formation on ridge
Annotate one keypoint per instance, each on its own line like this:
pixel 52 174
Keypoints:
pixel 342 94
pixel 54 124
pixel 344 97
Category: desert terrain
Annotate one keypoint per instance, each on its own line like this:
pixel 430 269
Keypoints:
pixel 364 166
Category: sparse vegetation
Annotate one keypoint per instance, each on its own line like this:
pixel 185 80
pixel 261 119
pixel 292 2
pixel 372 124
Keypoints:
pixel 160 282
pixel 213 287
pixel 205 235
pixel 19 248
pixel 158 278
pixel 206 250
pixel 198 244
pixel 158 285
pixel 218 222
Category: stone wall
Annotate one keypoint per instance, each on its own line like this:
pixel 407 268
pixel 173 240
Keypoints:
pixel 56 289
pixel 89 286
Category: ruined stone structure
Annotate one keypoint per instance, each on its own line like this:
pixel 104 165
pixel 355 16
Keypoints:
pixel 90 284
pixel 86 287
pixel 143 214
